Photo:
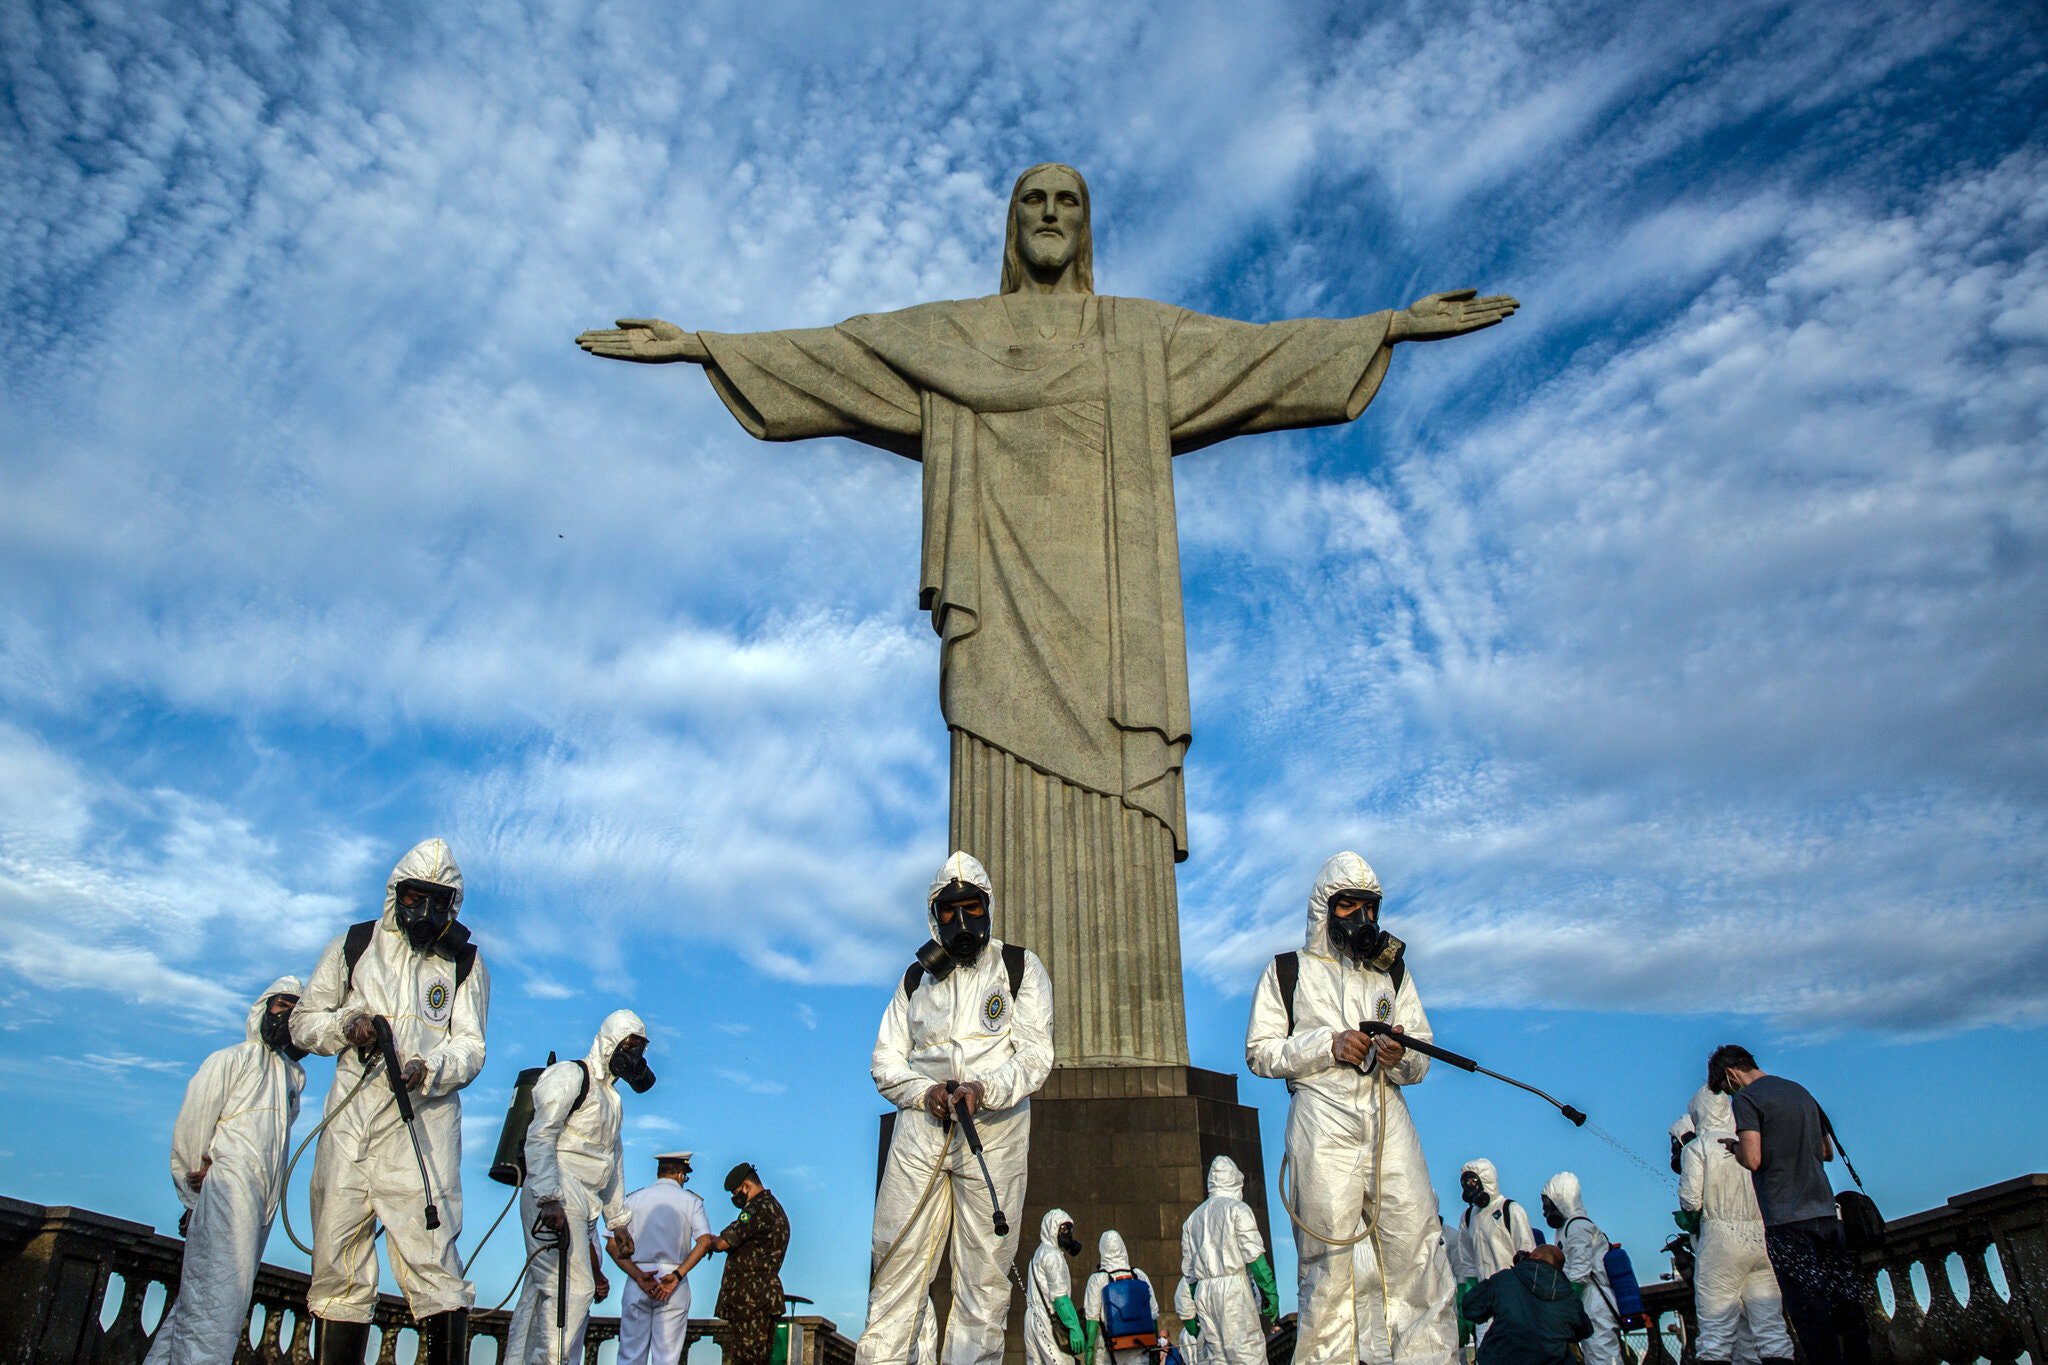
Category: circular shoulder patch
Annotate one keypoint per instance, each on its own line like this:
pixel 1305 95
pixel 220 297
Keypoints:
pixel 437 999
pixel 1383 1009
pixel 994 1009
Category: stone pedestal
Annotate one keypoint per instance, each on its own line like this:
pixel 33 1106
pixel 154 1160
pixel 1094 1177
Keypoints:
pixel 1127 1147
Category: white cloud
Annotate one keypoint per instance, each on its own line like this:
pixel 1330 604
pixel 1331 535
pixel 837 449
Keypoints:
pixel 755 1085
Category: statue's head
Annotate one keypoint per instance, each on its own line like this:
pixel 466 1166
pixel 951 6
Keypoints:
pixel 1050 236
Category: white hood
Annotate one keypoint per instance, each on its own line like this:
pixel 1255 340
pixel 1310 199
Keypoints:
pixel 1711 1112
pixel 1111 1248
pixel 1049 1226
pixel 1225 1178
pixel 1682 1127
pixel 1489 1179
pixel 1344 872
pixel 618 1026
pixel 961 867
pixel 429 861
pixel 284 985
pixel 1562 1190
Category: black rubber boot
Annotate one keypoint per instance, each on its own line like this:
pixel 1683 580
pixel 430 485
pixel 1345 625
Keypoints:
pixel 339 1343
pixel 447 1338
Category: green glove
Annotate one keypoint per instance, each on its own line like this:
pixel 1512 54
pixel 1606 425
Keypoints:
pixel 1688 1220
pixel 1194 1326
pixel 1094 1331
pixel 1269 1293
pixel 1063 1309
pixel 1465 1287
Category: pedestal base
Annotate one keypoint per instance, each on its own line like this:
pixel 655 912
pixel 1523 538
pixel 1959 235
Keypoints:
pixel 1127 1147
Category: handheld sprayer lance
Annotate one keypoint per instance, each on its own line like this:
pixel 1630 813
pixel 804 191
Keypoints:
pixel 966 1122
pixel 403 1096
pixel 1373 1028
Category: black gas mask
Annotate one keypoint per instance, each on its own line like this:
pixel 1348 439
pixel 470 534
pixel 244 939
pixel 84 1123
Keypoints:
pixel 1356 934
pixel 1474 1192
pixel 1069 1243
pixel 426 912
pixel 629 1064
pixel 1677 1150
pixel 1551 1215
pixel 961 909
pixel 276 1029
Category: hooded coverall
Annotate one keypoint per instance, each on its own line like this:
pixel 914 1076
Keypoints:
pixel 364 1171
pixel 1115 1262
pixel 1733 1285
pixel 1357 1162
pixel 1489 1237
pixel 1052 1325
pixel 572 1154
pixel 1585 1264
pixel 1221 1252
pixel 1192 1349
pixel 238 1114
pixel 966 1027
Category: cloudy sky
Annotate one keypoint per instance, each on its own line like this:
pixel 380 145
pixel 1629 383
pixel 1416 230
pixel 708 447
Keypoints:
pixel 1676 652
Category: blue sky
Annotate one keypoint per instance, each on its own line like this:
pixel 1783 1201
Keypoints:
pixel 1675 652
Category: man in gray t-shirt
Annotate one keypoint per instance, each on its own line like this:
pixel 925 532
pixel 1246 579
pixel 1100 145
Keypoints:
pixel 1782 1138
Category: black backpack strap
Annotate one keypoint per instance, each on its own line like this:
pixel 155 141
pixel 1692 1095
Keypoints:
pixel 584 1093
pixel 354 944
pixel 911 976
pixel 1013 963
pixel 465 959
pixel 1399 970
pixel 1287 971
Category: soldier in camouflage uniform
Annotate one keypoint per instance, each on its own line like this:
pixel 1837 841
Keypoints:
pixel 750 1293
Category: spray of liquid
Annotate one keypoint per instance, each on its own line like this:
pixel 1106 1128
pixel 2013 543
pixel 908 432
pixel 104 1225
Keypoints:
pixel 1662 1176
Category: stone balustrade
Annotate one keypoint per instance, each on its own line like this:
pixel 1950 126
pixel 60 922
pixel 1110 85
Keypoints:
pixel 63 1269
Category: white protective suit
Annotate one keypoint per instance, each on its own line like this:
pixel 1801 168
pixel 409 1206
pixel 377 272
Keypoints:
pixel 1735 1294
pixel 572 1154
pixel 364 1172
pixel 1491 1236
pixel 1456 1253
pixel 966 1027
pixel 1357 1163
pixel 1115 1260
pixel 1585 1264
pixel 238 1111
pixel 1218 1243
pixel 1049 1281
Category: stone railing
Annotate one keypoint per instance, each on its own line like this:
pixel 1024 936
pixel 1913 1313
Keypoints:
pixel 1936 1326
pixel 73 1286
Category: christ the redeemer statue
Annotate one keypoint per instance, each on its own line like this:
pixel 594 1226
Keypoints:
pixel 1046 418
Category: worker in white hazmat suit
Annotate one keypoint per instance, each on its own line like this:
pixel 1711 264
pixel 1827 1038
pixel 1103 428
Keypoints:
pixel 227 1166
pixel 1052 1324
pixel 1357 1164
pixel 976 1014
pixel 1585 1265
pixel 1493 1230
pixel 1114 1265
pixel 574 1175
pixel 1735 1292
pixel 1223 1256
pixel 415 968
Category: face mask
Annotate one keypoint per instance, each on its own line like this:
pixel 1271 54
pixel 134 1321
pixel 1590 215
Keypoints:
pixel 1677 1147
pixel 1551 1215
pixel 629 1064
pixel 426 912
pixel 1069 1243
pixel 963 938
pixel 276 1031
pixel 739 1201
pixel 1358 935
pixel 1475 1193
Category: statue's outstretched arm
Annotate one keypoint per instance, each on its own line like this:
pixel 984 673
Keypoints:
pixel 649 341
pixel 1447 315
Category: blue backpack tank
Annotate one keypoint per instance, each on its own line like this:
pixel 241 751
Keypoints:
pixel 1127 1316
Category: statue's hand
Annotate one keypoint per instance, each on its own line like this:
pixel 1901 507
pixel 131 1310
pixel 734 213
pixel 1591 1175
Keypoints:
pixel 1449 314
pixel 649 341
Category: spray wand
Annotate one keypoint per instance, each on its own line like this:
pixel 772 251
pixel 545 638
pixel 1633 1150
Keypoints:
pixel 966 1121
pixel 1373 1028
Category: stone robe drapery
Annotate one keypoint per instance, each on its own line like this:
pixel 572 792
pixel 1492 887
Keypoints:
pixel 1051 569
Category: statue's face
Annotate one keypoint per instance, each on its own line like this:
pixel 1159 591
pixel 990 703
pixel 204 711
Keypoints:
pixel 1050 220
